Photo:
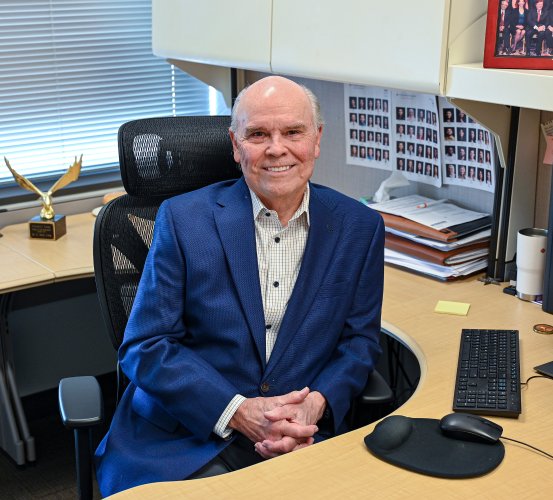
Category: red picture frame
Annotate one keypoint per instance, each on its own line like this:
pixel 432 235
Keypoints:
pixel 498 51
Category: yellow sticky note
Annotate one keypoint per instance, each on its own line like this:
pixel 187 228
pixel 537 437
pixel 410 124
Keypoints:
pixel 448 307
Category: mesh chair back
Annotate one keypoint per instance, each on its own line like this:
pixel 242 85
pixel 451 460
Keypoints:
pixel 159 158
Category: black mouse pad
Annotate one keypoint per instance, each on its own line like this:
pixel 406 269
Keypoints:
pixel 417 444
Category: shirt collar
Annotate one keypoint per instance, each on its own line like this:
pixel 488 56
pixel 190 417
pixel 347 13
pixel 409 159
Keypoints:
pixel 258 206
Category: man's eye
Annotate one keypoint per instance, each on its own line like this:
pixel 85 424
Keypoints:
pixel 256 135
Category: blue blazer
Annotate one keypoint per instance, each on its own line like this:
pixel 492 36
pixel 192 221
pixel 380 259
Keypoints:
pixel 196 334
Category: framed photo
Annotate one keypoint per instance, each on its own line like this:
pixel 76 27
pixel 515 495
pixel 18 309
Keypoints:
pixel 519 34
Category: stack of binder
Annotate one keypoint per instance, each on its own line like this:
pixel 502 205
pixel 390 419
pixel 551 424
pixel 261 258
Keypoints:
pixel 434 237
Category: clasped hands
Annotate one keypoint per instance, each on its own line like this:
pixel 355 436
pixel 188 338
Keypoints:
pixel 280 424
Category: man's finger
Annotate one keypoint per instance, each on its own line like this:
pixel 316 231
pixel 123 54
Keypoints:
pixel 293 397
pixel 265 453
pixel 296 430
pixel 288 412
pixel 284 445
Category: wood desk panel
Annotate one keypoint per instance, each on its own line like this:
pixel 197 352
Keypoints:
pixel 19 272
pixel 343 468
pixel 69 257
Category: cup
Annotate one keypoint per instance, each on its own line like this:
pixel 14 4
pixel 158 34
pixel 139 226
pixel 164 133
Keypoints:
pixel 531 254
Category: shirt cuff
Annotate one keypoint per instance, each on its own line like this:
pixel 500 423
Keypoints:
pixel 221 428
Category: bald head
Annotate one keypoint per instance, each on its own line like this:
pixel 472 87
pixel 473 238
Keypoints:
pixel 268 87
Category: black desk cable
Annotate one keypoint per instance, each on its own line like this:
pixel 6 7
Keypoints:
pixel 521 442
pixel 529 446
pixel 533 376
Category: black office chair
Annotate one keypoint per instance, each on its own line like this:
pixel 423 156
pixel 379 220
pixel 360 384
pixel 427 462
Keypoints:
pixel 159 158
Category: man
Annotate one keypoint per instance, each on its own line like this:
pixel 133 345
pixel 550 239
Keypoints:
pixel 549 31
pixel 538 17
pixel 370 153
pixel 502 38
pixel 257 317
pixel 400 130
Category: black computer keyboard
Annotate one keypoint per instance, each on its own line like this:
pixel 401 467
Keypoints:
pixel 488 373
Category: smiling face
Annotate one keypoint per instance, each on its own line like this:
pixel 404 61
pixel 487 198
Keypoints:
pixel 276 141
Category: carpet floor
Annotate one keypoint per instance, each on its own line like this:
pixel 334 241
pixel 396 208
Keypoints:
pixel 52 476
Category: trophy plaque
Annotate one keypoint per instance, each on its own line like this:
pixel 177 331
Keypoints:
pixel 48 225
pixel 47 229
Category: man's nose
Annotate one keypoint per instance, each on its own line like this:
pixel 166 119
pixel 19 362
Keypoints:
pixel 276 146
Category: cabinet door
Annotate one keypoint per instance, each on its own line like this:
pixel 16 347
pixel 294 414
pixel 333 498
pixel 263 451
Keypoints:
pixel 398 44
pixel 233 33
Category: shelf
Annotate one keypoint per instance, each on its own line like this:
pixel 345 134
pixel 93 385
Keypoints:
pixel 522 88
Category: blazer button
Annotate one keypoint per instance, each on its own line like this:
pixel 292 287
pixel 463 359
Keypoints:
pixel 265 387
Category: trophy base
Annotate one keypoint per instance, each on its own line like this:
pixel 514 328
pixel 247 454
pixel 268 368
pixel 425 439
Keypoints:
pixel 47 229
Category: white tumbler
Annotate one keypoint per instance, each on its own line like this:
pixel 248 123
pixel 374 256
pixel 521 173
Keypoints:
pixel 531 254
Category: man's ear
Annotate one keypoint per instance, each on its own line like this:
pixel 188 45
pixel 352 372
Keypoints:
pixel 235 150
pixel 318 144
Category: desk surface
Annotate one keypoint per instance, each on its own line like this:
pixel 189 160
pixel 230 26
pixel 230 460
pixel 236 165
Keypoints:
pixel 342 467
pixel 18 271
pixel 27 262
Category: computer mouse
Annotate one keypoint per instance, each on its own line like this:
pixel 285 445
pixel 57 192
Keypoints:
pixel 392 432
pixel 468 427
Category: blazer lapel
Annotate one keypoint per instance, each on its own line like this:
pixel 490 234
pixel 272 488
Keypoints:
pixel 234 220
pixel 324 230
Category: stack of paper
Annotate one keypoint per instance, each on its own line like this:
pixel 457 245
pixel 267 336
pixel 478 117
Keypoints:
pixel 434 237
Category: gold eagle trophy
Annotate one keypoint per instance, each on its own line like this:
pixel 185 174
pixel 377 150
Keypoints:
pixel 48 225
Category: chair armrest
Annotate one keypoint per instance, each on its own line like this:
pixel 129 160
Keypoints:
pixel 376 391
pixel 80 402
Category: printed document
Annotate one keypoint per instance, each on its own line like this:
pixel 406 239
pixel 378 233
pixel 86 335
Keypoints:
pixel 437 214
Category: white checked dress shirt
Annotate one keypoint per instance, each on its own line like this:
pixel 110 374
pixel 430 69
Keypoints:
pixel 279 257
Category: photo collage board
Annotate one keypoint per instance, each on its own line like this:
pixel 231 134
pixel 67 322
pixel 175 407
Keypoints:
pixel 412 132
pixel 467 148
pixel 369 128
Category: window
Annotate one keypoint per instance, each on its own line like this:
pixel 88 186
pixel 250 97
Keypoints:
pixel 71 72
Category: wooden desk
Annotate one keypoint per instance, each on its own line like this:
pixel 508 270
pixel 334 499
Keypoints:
pixel 69 257
pixel 27 263
pixel 20 272
pixel 343 468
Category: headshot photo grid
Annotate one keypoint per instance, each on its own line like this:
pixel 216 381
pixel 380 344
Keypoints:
pixel 416 128
pixel 369 127
pixel 426 138
pixel 467 149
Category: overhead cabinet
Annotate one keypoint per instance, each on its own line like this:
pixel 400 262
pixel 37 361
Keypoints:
pixel 432 46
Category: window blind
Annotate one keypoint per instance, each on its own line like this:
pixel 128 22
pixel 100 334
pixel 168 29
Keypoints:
pixel 71 72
